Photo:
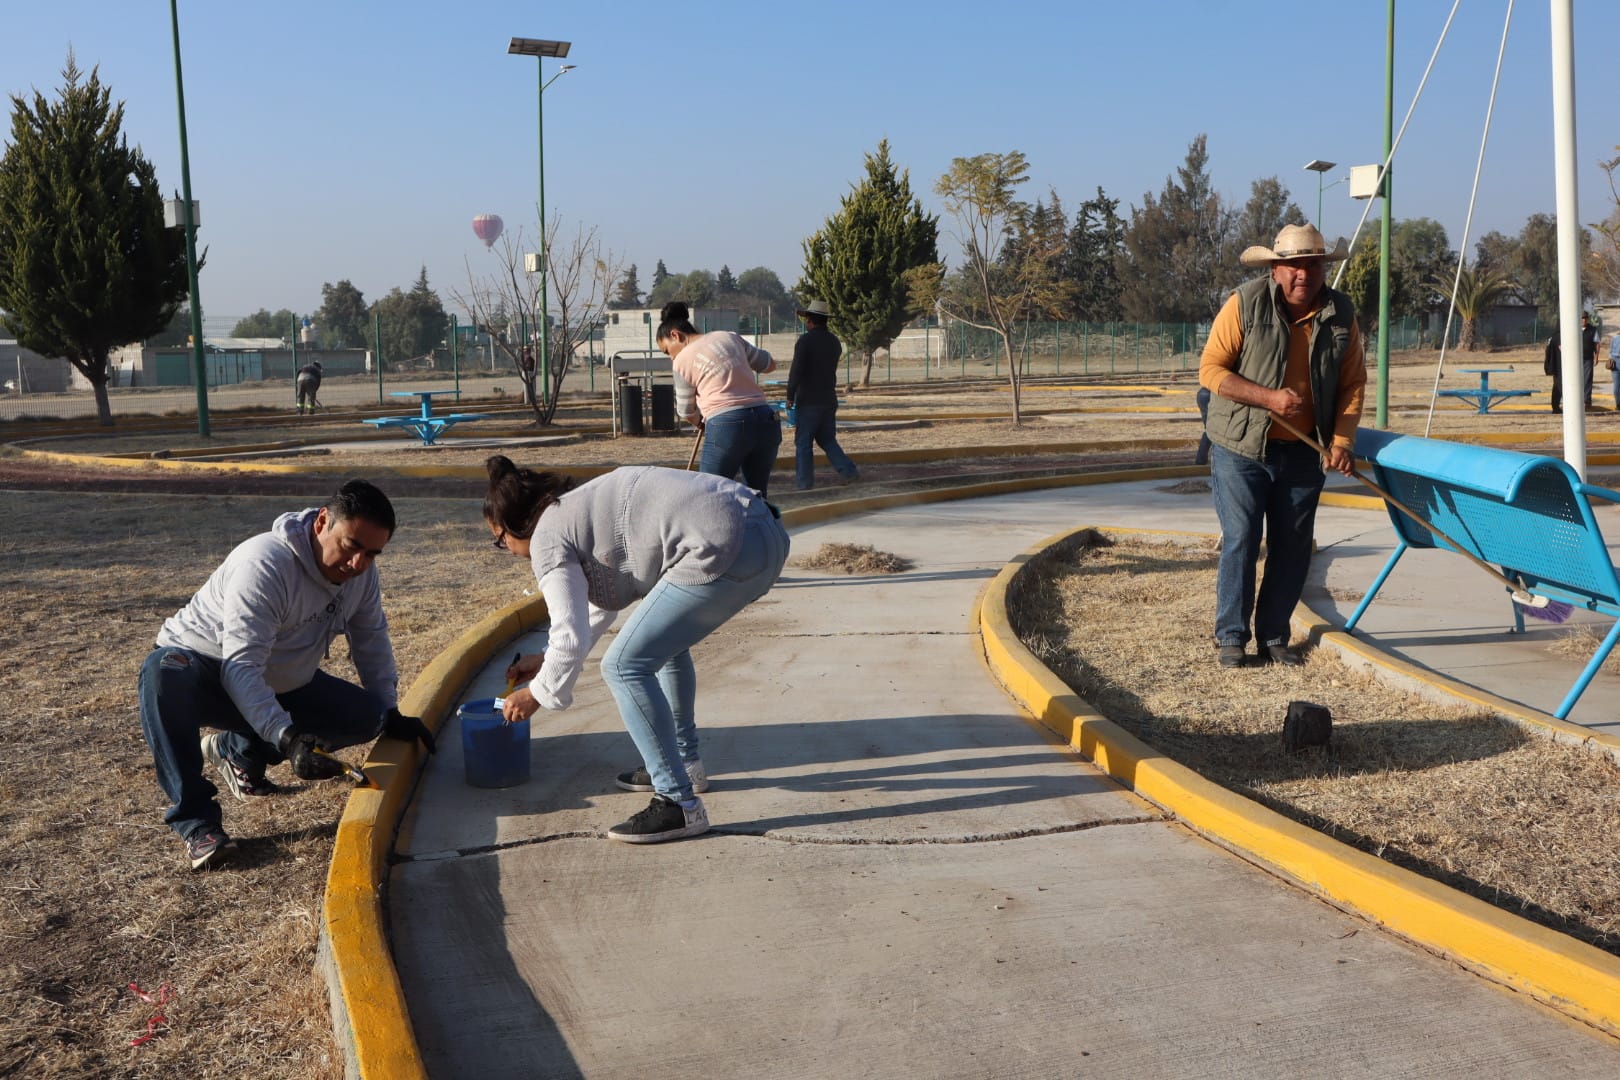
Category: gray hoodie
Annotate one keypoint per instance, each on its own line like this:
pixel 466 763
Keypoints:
pixel 269 616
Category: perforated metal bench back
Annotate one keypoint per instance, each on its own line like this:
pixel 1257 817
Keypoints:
pixel 1543 533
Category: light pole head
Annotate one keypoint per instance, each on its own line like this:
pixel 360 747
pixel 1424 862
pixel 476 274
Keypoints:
pixel 1318 166
pixel 566 68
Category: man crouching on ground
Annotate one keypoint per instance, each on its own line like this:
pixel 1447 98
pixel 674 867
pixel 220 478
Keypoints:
pixel 244 657
pixel 1284 345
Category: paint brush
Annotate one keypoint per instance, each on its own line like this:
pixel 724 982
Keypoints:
pixel 360 778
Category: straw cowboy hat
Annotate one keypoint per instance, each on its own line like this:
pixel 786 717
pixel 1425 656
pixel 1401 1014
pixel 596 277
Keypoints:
pixel 816 307
pixel 1294 242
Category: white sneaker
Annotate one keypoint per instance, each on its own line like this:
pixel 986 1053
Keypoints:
pixel 638 780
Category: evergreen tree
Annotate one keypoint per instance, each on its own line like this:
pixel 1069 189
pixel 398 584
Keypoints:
pixel 628 294
pixel 724 282
pixel 1171 270
pixel 343 321
pixel 1089 261
pixel 659 274
pixel 862 260
pixel 86 264
pixel 412 324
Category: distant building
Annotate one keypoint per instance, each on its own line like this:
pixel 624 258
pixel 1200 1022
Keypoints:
pixel 23 371
pixel 633 328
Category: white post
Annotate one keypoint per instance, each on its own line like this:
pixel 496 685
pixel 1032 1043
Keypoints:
pixel 1569 240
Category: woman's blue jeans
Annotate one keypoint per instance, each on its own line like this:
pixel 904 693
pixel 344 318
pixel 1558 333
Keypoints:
pixel 742 439
pixel 818 424
pixel 181 693
pixel 1278 497
pixel 648 668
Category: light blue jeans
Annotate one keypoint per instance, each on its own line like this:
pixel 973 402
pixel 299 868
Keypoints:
pixel 648 668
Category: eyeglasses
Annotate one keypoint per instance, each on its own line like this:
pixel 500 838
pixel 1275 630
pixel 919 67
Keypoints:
pixel 500 541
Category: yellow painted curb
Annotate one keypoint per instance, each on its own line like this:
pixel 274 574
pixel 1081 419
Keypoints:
pixel 1575 978
pixel 368 1003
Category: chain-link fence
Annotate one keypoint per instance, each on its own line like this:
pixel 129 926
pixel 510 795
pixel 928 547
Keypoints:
pixel 387 366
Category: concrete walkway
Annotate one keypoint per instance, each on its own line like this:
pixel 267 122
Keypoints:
pixel 906 879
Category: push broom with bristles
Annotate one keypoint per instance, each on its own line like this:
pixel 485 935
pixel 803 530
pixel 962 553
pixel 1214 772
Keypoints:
pixel 1537 607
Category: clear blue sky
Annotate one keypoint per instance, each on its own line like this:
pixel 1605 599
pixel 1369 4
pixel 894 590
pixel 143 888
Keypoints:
pixel 357 140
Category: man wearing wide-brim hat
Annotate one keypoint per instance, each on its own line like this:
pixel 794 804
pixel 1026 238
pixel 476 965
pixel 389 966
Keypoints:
pixel 1284 346
pixel 812 397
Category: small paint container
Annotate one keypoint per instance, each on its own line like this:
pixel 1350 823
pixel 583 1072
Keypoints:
pixel 495 753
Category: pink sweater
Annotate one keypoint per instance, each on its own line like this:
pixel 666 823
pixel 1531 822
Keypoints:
pixel 720 367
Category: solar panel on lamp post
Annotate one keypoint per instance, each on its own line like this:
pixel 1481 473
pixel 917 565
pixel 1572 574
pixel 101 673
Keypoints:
pixel 540 48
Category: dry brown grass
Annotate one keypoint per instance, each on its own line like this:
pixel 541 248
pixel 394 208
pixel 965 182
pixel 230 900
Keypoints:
pixel 96 894
pixel 1451 792
pixel 854 559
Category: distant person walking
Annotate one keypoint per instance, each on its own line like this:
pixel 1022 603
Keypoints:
pixel 812 394
pixel 1589 340
pixel 309 386
pixel 1552 363
pixel 1614 368
pixel 717 389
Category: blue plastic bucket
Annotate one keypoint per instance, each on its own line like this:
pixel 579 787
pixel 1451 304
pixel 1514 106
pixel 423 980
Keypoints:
pixel 496 754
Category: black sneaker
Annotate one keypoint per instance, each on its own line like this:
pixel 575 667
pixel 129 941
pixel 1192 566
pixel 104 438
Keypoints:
pixel 637 779
pixel 1282 654
pixel 1229 655
pixel 238 780
pixel 664 819
pixel 208 847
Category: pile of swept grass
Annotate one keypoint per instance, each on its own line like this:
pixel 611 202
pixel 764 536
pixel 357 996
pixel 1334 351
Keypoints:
pixel 1451 792
pixel 854 559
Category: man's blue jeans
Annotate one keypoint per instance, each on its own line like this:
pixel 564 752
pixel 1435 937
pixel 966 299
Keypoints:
pixel 1277 497
pixel 181 693
pixel 648 668
pixel 818 424
pixel 742 439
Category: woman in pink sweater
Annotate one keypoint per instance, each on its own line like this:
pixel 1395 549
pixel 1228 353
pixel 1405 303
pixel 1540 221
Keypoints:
pixel 741 431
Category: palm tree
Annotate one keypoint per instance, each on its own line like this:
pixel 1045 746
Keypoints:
pixel 1477 291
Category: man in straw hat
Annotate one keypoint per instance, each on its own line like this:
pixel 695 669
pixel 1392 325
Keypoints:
pixel 812 393
pixel 1284 346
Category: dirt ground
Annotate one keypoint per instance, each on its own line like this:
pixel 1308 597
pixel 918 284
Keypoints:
pixel 96 896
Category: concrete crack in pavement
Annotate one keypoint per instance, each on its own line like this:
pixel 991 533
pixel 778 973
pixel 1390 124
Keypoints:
pixel 792 838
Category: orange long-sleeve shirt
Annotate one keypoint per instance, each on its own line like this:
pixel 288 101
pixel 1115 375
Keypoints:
pixel 1225 347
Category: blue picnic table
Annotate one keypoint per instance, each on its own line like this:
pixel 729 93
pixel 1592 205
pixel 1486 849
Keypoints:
pixel 426 425
pixel 1484 397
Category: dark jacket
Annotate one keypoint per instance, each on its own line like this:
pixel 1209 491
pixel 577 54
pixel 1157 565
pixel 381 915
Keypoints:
pixel 813 378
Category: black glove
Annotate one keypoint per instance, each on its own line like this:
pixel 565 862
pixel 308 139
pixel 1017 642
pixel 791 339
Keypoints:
pixel 299 748
pixel 396 725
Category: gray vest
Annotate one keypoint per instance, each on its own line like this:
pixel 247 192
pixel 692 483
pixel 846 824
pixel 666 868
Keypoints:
pixel 1243 429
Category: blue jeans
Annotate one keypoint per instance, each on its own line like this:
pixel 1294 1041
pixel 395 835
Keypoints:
pixel 1279 497
pixel 181 693
pixel 818 423
pixel 648 668
pixel 742 439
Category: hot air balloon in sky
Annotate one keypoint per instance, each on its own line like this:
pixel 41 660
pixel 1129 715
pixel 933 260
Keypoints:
pixel 487 227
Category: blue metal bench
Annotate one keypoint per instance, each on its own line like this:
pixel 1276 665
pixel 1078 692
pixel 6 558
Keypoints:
pixel 1531 516
pixel 1484 397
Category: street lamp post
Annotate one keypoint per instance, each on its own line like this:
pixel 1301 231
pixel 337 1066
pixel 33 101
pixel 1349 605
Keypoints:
pixel 540 48
pixel 1319 167
pixel 188 211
